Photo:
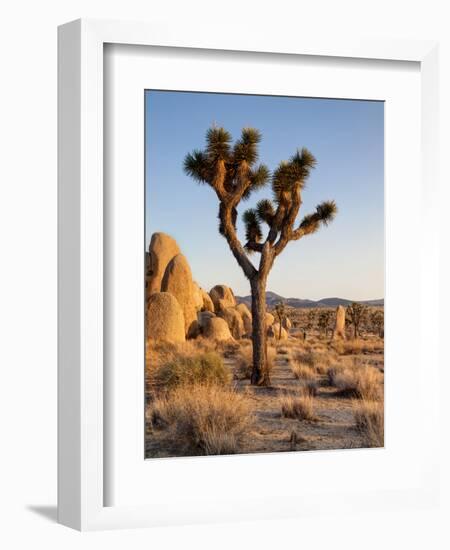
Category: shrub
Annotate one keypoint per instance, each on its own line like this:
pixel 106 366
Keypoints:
pixel 202 419
pixel 369 418
pixel 360 382
pixel 301 371
pixel 320 361
pixel 310 388
pixel 300 407
pixel 359 346
pixel 203 368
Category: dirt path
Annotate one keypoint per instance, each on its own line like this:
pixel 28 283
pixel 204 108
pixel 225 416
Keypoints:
pixel 334 428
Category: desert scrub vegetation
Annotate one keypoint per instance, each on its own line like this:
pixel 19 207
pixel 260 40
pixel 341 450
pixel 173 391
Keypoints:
pixel 361 382
pixel 319 361
pixel 203 368
pixel 244 362
pixel 301 371
pixel 350 347
pixel 369 418
pixel 201 419
pixel 300 407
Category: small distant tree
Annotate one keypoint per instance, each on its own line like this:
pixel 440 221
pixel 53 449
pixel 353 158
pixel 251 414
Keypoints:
pixel 356 314
pixel 377 321
pixel 232 172
pixel 309 323
pixel 324 321
pixel 280 314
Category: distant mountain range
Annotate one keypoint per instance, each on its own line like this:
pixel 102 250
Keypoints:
pixel 272 299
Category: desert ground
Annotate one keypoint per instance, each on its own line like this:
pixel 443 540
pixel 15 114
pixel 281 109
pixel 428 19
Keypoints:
pixel 324 395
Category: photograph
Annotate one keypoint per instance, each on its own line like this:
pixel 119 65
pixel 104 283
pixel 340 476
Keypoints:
pixel 264 274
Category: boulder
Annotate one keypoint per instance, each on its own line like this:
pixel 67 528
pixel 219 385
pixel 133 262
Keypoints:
pixel 203 316
pixel 274 332
pixel 165 320
pixel 197 296
pixel 339 326
pixel 161 251
pixel 246 317
pixel 286 323
pixel 222 297
pixel 234 321
pixel 207 302
pixel 216 328
pixel 178 281
pixel 270 320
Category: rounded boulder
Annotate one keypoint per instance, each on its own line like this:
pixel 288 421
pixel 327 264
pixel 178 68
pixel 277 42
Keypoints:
pixel 165 320
pixel 161 250
pixel 234 321
pixel 222 297
pixel 217 329
pixel 178 281
pixel 246 317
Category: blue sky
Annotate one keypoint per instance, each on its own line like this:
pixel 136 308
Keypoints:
pixel 345 259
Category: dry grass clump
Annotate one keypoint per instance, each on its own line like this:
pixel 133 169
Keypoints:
pixel 158 352
pixel 359 346
pixel 369 418
pixel 310 388
pixel 229 348
pixel 360 382
pixel 244 362
pixel 301 370
pixel 203 368
pixel 299 407
pixel 202 419
pixel 320 361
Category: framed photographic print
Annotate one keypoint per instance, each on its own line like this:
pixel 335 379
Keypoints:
pixel 241 229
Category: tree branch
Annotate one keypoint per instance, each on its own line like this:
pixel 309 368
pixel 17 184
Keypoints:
pixel 289 220
pixel 235 245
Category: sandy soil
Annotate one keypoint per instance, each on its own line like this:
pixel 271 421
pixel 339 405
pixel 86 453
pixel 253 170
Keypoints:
pixel 334 427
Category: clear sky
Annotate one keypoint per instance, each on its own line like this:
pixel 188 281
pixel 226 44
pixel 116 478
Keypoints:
pixel 345 259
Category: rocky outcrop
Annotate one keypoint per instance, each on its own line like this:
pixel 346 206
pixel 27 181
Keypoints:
pixel 178 281
pixel 207 302
pixel 222 297
pixel 203 316
pixel 234 321
pixel 197 296
pixel 286 324
pixel 274 332
pixel 246 318
pixel 165 320
pixel 339 326
pixel 270 320
pixel 217 329
pixel 161 251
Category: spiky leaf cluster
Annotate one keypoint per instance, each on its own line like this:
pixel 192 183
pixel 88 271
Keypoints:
pixel 253 231
pixel 292 173
pixel 238 161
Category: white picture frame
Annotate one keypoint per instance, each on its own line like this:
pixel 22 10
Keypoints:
pixel 82 484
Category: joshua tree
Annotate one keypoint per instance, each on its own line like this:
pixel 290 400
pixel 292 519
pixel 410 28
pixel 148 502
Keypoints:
pixel 377 319
pixel 356 314
pixel 280 312
pixel 325 320
pixel 233 173
pixel 310 322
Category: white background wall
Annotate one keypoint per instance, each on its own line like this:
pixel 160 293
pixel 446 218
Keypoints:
pixel 28 270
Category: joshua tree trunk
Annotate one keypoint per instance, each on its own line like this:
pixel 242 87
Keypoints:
pixel 260 372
